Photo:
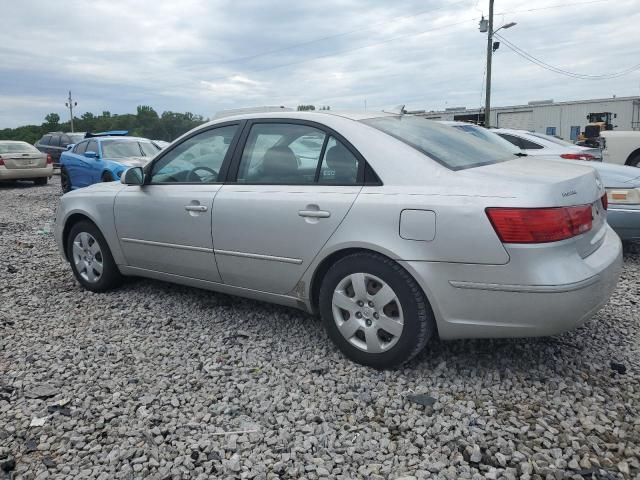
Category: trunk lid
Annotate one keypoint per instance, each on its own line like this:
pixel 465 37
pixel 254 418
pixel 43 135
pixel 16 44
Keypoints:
pixel 544 184
pixel 20 160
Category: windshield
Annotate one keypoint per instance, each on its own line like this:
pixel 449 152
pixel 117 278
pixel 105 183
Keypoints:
pixel 551 138
pixel 120 149
pixel 441 143
pixel 17 147
pixel 492 138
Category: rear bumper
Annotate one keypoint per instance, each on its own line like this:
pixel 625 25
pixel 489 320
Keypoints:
pixel 25 173
pixel 625 220
pixel 487 301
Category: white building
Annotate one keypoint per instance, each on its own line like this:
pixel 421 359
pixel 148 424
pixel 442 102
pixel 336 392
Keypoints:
pixel 564 119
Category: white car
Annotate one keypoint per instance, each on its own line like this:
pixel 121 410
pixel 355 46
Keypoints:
pixel 622 148
pixel 536 144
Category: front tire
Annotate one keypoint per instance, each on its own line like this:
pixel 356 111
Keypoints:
pixel 91 259
pixel 374 311
pixel 65 180
pixel 40 181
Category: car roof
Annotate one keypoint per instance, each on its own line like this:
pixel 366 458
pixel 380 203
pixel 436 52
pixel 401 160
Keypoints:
pixel 126 139
pixel 303 115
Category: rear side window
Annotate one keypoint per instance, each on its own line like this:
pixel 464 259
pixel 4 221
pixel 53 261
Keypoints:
pixel 45 140
pixel 528 145
pixel 452 149
pixel 517 141
pixel 55 141
pixel 339 165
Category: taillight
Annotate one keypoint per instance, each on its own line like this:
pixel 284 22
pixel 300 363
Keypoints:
pixel 605 201
pixel 578 156
pixel 1 161
pixel 49 159
pixel 540 225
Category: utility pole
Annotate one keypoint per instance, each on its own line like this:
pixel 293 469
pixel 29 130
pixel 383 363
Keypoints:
pixel 487 98
pixel 70 104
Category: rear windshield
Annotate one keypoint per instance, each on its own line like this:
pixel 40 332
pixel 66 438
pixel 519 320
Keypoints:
pixel 17 147
pixel 454 149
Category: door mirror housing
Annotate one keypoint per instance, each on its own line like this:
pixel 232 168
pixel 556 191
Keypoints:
pixel 133 176
pixel 91 154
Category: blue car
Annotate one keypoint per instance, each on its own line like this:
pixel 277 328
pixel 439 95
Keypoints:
pixel 103 158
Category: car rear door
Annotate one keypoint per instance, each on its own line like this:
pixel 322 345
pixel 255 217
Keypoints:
pixel 165 225
pixel 282 202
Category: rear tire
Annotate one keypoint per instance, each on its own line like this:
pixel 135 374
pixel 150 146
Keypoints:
pixel 41 181
pixel 379 332
pixel 107 177
pixel 91 259
pixel 65 180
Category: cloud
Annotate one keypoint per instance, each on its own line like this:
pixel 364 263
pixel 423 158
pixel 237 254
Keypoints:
pixel 203 56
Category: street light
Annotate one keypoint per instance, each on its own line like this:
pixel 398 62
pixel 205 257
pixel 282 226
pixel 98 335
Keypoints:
pixel 488 27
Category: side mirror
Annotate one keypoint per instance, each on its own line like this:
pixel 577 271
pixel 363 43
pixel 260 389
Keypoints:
pixel 70 146
pixel 91 154
pixel 133 176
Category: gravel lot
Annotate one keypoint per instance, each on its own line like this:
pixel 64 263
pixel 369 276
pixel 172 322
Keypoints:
pixel 154 379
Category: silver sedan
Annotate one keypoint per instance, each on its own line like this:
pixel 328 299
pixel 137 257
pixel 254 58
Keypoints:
pixel 21 161
pixel 393 228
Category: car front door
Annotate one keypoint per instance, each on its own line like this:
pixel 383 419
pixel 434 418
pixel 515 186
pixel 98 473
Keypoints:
pixel 165 224
pixel 290 187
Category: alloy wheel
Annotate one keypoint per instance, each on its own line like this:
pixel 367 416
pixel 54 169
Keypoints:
pixel 87 257
pixel 367 312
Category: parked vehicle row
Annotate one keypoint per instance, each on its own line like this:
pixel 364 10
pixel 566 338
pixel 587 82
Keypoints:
pixel 622 183
pixel 103 158
pixel 21 161
pixel 392 227
pixel 54 143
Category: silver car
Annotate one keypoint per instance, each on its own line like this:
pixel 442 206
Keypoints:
pixel 21 161
pixel 393 228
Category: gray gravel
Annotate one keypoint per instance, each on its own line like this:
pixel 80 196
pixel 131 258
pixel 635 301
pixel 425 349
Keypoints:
pixel 160 381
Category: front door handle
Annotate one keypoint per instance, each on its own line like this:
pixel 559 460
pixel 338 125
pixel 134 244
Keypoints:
pixel 195 208
pixel 314 213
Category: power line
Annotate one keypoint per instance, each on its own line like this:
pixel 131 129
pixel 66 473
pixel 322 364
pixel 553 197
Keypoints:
pixel 527 56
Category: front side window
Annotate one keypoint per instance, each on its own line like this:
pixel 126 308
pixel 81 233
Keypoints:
pixel 197 159
pixel 45 140
pixel 439 142
pixel 93 147
pixel 55 141
pixel 75 137
pixel 80 148
pixel 281 154
pixel 339 165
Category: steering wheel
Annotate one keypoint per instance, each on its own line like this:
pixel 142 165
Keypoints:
pixel 193 175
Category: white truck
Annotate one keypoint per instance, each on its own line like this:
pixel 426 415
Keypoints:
pixel 621 147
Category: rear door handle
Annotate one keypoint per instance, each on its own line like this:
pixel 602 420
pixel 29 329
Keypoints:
pixel 195 208
pixel 314 213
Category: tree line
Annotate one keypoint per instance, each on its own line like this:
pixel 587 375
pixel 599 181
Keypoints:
pixel 144 123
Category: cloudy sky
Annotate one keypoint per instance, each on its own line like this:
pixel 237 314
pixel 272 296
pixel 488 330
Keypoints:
pixel 204 55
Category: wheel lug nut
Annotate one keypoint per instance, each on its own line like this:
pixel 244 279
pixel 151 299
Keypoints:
pixel 360 303
pixel 371 304
pixel 368 322
pixel 375 315
pixel 358 315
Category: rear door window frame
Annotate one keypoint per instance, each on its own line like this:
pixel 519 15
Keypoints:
pixel 329 132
